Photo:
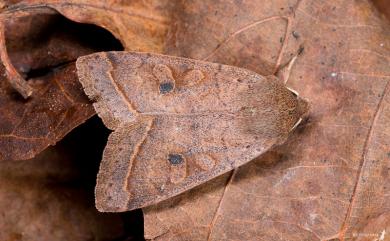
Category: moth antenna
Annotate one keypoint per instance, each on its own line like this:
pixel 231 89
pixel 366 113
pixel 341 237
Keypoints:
pixel 296 124
pixel 292 90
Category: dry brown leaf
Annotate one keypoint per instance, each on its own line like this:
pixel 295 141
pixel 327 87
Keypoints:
pixel 342 153
pixel 38 40
pixel 57 106
pixel 179 122
pixel 383 6
pixel 139 25
pixel 331 179
pixel 50 197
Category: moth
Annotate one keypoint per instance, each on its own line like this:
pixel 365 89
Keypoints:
pixel 179 122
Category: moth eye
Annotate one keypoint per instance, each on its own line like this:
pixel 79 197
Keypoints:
pixel 175 159
pixel 166 87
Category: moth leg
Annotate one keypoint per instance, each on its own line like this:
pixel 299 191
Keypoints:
pixel 122 147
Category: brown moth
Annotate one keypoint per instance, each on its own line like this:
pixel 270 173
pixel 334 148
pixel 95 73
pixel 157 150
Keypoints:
pixel 179 122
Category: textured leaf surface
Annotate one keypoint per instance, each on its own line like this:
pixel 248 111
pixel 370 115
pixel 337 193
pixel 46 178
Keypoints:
pixel 330 180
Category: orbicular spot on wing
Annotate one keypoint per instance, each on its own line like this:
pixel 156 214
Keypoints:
pixel 205 162
pixel 166 87
pixel 178 167
pixel 165 78
pixel 175 159
pixel 193 77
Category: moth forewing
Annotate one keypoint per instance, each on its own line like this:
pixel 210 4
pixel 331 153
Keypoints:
pixel 195 120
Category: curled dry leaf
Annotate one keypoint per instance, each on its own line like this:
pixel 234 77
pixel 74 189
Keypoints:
pixel 179 122
pixel 57 105
pixel 39 40
pixel 330 181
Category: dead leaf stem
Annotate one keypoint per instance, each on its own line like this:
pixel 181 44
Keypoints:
pixel 13 77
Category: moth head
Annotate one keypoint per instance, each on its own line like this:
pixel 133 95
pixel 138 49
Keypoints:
pixel 292 110
pixel 300 110
pixel 272 110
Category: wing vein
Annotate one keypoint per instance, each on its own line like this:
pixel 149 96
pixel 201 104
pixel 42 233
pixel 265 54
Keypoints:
pixel 229 181
pixel 363 161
